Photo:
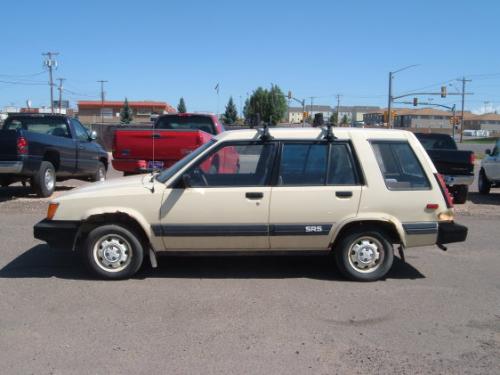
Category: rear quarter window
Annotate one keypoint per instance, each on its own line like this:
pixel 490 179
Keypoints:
pixel 399 165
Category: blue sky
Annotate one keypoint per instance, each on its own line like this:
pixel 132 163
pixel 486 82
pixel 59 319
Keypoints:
pixel 162 50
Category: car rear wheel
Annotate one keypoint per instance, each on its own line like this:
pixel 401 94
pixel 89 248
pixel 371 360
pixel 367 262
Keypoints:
pixel 113 252
pixel 44 180
pixel 484 185
pixel 364 255
pixel 460 194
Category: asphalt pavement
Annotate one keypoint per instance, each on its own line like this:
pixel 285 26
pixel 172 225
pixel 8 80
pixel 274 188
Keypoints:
pixel 439 313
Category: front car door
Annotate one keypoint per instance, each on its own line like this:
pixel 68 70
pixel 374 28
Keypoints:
pixel 225 205
pixel 87 150
pixel 318 186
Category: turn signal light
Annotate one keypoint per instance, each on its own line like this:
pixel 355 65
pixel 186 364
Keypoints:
pixel 51 211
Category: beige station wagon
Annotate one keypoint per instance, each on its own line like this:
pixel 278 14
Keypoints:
pixel 355 193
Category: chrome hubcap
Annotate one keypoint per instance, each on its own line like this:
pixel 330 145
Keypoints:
pixel 366 254
pixel 112 253
pixel 49 179
pixel 102 176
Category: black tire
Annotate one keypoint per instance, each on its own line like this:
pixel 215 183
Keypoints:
pixel 460 194
pixel 44 187
pixel 125 252
pixel 375 240
pixel 5 182
pixel 483 184
pixel 100 174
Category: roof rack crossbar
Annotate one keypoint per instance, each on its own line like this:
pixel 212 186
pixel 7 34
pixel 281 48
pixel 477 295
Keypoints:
pixel 264 133
pixel 329 136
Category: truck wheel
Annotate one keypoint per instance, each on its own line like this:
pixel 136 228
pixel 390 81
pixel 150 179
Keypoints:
pixel 100 174
pixel 460 194
pixel 364 255
pixel 483 184
pixel 44 180
pixel 113 252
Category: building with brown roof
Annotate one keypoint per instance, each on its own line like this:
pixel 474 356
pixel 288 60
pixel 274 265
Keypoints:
pixel 95 111
pixel 487 121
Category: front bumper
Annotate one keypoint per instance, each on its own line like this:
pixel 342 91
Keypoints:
pixel 452 180
pixel 59 234
pixel 11 167
pixel 449 232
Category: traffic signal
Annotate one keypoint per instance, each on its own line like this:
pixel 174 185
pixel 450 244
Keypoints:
pixel 305 114
pixel 415 102
pixel 443 91
pixel 386 118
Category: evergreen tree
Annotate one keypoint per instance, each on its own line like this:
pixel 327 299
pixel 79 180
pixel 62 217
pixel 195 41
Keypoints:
pixel 126 114
pixel 181 107
pixel 265 105
pixel 345 120
pixel 333 119
pixel 231 114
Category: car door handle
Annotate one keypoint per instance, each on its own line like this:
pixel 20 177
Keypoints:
pixel 343 194
pixel 254 195
pixel 156 136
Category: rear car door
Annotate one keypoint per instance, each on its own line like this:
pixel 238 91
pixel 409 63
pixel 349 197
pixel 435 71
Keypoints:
pixel 318 186
pixel 226 203
pixel 86 149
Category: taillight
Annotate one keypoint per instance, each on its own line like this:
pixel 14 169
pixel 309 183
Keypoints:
pixel 22 146
pixel 472 158
pixel 446 194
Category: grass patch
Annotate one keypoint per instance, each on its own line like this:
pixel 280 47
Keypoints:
pixel 487 140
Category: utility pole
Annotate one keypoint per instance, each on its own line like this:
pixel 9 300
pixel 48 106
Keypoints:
pixel 60 88
pixel 463 106
pixel 51 63
pixel 102 98
pixel 338 106
pixel 389 104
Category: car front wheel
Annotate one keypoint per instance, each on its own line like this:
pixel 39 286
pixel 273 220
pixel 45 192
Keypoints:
pixel 113 252
pixel 364 255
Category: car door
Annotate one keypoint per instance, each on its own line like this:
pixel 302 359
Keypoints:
pixel 318 186
pixel 221 202
pixel 86 150
pixel 491 163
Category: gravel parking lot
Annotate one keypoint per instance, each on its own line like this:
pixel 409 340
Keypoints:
pixel 438 313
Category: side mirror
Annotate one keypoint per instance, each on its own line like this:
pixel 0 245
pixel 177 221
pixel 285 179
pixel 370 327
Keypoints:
pixel 186 180
pixel 487 151
pixel 93 135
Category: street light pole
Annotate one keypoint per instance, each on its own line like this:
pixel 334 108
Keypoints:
pixel 390 98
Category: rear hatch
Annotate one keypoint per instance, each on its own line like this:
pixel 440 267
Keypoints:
pixel 452 161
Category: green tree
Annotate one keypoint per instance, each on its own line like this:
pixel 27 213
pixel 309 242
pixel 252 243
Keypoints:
pixel 266 105
pixel 333 118
pixel 126 114
pixel 231 114
pixel 181 107
pixel 345 120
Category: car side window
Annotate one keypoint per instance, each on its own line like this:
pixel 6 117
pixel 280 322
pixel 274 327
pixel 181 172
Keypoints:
pixel 234 165
pixel 80 132
pixel 303 164
pixel 342 169
pixel 399 166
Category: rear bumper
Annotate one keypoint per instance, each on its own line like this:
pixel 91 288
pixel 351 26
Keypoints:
pixel 59 234
pixel 450 232
pixel 136 166
pixel 11 167
pixel 452 180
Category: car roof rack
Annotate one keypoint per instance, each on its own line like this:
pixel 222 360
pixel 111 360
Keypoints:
pixel 264 133
pixel 329 136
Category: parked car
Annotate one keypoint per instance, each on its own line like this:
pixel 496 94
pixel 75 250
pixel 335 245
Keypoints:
pixel 455 165
pixel 489 174
pixel 42 148
pixel 172 137
pixel 355 194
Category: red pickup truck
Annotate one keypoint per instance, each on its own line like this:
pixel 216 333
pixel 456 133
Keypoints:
pixel 173 136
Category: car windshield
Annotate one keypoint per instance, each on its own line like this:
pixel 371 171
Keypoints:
pixel 186 122
pixel 166 174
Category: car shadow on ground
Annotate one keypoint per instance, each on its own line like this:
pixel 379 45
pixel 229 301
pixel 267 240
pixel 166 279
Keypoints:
pixel 492 198
pixel 41 262
pixel 15 192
